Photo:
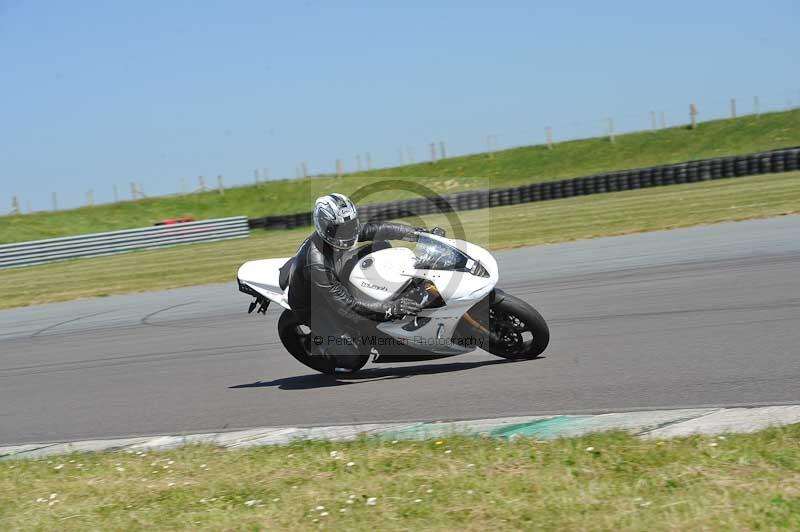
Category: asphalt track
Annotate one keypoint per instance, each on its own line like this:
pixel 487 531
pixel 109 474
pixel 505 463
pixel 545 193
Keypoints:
pixel 705 316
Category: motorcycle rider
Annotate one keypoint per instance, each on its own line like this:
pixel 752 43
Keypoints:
pixel 317 295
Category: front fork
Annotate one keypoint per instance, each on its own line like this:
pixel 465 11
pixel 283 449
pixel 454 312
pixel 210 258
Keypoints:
pixel 475 322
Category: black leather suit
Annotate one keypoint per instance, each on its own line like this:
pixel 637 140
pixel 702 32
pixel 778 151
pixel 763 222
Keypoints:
pixel 316 294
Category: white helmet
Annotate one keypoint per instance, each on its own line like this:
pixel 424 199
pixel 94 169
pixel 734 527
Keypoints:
pixel 336 220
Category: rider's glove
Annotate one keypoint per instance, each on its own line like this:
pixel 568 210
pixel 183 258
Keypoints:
pixel 401 308
pixel 438 231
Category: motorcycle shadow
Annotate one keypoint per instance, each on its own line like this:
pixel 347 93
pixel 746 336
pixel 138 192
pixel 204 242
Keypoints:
pixel 371 374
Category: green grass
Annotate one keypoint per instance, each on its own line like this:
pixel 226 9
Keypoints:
pixel 534 223
pixel 502 168
pixel 599 482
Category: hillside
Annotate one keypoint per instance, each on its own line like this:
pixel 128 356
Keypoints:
pixel 502 168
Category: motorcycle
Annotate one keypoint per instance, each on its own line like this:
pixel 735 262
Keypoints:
pixel 454 282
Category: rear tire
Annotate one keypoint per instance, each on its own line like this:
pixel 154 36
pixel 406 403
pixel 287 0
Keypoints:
pixel 519 332
pixel 296 338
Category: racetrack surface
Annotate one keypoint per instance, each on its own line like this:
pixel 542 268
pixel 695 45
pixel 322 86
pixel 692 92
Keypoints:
pixel 705 316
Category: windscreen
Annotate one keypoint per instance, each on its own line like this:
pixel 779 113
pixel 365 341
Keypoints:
pixel 435 255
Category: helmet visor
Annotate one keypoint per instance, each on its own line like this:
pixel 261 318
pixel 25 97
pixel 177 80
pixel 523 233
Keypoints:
pixel 342 236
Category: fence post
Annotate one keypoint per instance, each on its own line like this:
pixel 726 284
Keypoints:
pixel 611 130
pixel 733 107
pixel 442 153
pixel 549 134
pixel 433 152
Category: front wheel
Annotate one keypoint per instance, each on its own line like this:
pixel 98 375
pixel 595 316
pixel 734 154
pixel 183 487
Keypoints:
pixel 519 332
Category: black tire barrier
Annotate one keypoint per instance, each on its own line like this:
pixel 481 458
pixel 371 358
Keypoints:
pixel 680 174
pixel 792 160
pixel 775 161
pixel 765 164
pixel 704 170
pixel 740 166
pixel 727 167
pixel 716 169
pixel 668 177
pixel 778 162
pixel 753 164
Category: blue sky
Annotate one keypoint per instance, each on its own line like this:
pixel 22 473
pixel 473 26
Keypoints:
pixel 100 93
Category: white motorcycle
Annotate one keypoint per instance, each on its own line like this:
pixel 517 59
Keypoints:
pixel 454 282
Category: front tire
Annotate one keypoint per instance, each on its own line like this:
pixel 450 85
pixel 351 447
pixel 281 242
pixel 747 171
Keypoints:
pixel 519 332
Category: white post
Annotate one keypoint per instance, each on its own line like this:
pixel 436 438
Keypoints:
pixel 15 205
pixel 202 181
pixel 693 116
pixel 433 152
pixel 733 107
pixel 549 134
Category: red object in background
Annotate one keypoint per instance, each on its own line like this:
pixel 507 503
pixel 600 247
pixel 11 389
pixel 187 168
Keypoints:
pixel 173 221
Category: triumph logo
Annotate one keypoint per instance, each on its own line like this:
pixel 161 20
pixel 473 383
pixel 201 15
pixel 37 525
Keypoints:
pixel 365 284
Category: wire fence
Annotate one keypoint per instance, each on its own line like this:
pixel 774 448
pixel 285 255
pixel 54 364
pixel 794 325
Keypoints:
pixel 439 148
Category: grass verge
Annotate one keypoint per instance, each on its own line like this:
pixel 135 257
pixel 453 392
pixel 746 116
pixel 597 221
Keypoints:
pixel 528 164
pixel 504 227
pixel 597 482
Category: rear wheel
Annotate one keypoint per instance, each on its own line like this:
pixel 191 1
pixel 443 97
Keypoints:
pixel 297 337
pixel 519 332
